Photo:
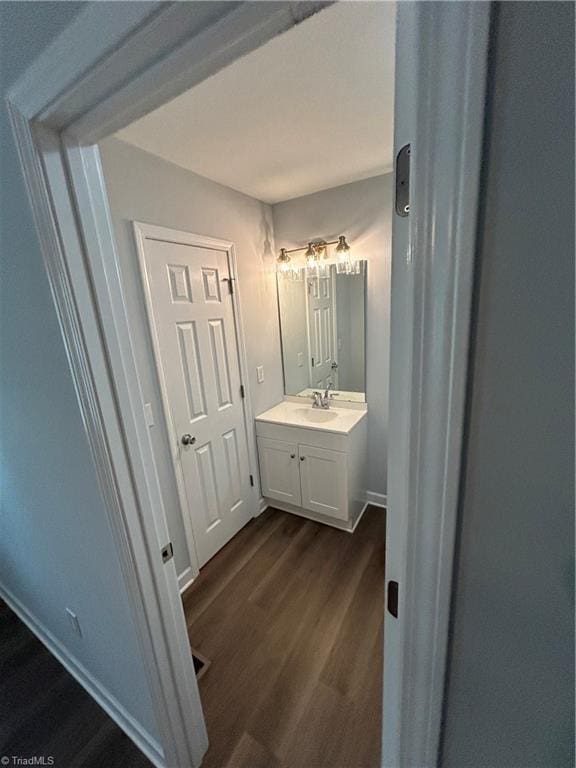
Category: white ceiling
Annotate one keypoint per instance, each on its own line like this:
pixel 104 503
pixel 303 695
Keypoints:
pixel 310 110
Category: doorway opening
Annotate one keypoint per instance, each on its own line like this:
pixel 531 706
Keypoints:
pixel 254 248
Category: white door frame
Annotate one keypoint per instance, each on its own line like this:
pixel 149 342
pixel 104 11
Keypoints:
pixel 442 55
pixel 141 232
pixel 104 71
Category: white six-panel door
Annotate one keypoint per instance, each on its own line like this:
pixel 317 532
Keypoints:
pixel 192 322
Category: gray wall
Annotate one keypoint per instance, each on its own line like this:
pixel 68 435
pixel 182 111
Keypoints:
pixel 143 187
pixel 510 694
pixel 56 549
pixel 362 212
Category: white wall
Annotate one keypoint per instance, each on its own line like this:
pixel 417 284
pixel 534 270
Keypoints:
pixel 361 211
pixel 56 549
pixel 510 695
pixel 143 187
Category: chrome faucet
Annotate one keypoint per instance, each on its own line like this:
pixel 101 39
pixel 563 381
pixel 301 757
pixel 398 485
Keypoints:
pixel 320 400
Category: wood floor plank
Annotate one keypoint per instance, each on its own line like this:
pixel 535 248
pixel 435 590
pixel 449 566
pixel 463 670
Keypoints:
pixel 220 570
pixel 275 585
pixel 245 674
pixel 275 722
pixel 351 653
pixel 283 620
pixel 218 623
pixel 250 754
pixel 323 731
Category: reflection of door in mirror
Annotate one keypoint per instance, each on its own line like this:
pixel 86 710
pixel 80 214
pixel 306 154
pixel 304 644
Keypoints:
pixel 322 323
pixel 321 308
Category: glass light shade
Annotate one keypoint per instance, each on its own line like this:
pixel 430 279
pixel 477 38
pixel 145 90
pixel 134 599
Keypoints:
pixel 342 249
pixel 311 256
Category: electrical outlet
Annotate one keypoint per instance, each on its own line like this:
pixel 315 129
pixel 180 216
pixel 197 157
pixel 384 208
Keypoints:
pixel 260 373
pixel 74 623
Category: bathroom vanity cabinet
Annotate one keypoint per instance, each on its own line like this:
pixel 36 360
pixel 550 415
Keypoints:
pixel 313 462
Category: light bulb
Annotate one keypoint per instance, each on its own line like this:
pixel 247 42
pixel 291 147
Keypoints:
pixel 342 249
pixel 311 256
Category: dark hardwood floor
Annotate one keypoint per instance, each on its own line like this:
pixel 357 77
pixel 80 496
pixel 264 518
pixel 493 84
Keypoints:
pixel 290 614
pixel 45 712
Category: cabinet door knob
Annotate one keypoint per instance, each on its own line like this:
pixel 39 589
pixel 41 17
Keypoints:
pixel 292 455
pixel 302 458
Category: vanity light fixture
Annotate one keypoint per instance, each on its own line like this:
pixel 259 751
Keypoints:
pixel 283 260
pixel 343 249
pixel 343 263
pixel 312 255
pixel 317 258
pixel 285 267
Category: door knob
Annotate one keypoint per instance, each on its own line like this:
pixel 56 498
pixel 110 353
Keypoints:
pixel 292 455
pixel 188 440
pixel 302 458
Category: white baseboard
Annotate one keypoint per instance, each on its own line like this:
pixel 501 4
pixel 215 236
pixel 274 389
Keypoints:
pixel 123 719
pixel 372 498
pixel 377 499
pixel 262 506
pixel 355 524
pixel 316 517
pixel 185 579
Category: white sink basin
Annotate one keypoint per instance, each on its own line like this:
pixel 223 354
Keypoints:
pixel 338 420
pixel 315 415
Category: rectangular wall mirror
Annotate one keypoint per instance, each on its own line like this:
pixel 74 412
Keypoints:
pixel 323 330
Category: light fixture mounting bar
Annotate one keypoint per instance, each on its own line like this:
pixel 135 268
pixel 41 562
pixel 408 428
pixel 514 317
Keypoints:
pixel 319 243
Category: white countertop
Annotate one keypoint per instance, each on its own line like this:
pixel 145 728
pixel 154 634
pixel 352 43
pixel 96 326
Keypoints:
pixel 338 420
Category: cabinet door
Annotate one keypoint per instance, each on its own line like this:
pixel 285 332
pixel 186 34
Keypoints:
pixel 279 470
pixel 323 481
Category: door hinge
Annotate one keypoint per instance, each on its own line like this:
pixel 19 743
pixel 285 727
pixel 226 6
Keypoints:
pixel 392 602
pixel 230 281
pixel 312 362
pixel 403 181
pixel 252 480
pixel 167 552
pixel 242 391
